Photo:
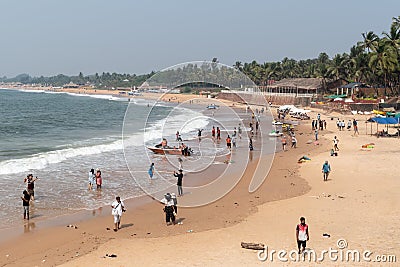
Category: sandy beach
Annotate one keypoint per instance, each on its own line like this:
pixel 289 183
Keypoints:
pixel 358 203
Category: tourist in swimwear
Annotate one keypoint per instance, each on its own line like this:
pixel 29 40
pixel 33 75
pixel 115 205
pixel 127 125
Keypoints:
pixel 30 181
pixel 99 180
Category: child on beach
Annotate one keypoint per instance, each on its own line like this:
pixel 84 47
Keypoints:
pixel 25 203
pixel 99 181
pixel 228 142
pixel 283 141
pixel 151 171
pixel 92 180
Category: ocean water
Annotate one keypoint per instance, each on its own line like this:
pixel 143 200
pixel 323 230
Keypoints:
pixel 59 137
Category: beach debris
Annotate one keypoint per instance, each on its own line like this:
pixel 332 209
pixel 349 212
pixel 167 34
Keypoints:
pixel 189 231
pixel 255 246
pixel 326 235
pixel 180 223
pixel 72 226
pixel 149 233
pixel 7 256
pixel 339 196
pixel 108 229
pixel 309 142
pixel 111 255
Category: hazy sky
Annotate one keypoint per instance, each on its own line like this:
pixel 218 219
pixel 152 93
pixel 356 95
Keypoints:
pixel 48 37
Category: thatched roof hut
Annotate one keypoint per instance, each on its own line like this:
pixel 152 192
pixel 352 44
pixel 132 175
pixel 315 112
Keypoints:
pixel 299 83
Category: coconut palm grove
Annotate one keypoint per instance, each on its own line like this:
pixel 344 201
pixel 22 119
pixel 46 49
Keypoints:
pixel 373 61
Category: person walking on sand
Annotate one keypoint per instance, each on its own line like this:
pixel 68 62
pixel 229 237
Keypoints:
pixel 118 208
pixel 30 181
pixel 168 209
pixel 175 200
pixel 240 131
pixel 234 140
pixel 218 134
pixel 355 126
pixel 294 142
pixel 228 142
pixel 213 132
pixel 284 142
pixel 199 134
pixel 99 180
pixel 25 203
pixel 335 144
pixel 326 169
pixel 179 177
pixel 92 180
pixel 180 162
pixel 302 235
pixel 151 171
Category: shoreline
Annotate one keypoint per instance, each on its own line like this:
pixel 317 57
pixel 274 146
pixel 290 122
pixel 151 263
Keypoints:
pixel 357 205
pixel 276 191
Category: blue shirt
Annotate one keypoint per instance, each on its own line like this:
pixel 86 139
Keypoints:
pixel 326 167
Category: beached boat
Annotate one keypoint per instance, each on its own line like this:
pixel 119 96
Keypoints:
pixel 275 134
pixel 212 106
pixel 164 151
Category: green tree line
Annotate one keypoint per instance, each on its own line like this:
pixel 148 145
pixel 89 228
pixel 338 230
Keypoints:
pixel 375 60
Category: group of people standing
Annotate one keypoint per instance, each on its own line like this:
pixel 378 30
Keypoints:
pixel 95 179
pixel 28 195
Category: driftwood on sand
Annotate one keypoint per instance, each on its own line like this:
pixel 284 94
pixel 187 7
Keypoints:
pixel 255 246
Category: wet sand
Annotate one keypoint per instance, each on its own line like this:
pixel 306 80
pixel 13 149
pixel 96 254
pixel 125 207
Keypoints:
pixel 58 244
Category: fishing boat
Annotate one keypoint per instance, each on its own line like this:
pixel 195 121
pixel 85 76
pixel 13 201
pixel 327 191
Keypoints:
pixel 212 106
pixel 165 150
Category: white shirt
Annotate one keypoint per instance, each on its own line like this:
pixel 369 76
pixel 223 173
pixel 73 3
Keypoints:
pixel 118 207
pixel 168 203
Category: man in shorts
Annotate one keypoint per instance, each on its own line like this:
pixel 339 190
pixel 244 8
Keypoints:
pixel 302 235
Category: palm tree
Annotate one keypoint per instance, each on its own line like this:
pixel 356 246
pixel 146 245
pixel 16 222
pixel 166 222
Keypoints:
pixel 383 61
pixel 238 65
pixel 370 40
pixel 396 22
pixel 393 38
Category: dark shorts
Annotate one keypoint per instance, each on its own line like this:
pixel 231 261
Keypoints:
pixel 301 244
pixel 228 145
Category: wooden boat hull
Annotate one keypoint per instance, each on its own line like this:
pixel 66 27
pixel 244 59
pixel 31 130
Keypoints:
pixel 165 151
